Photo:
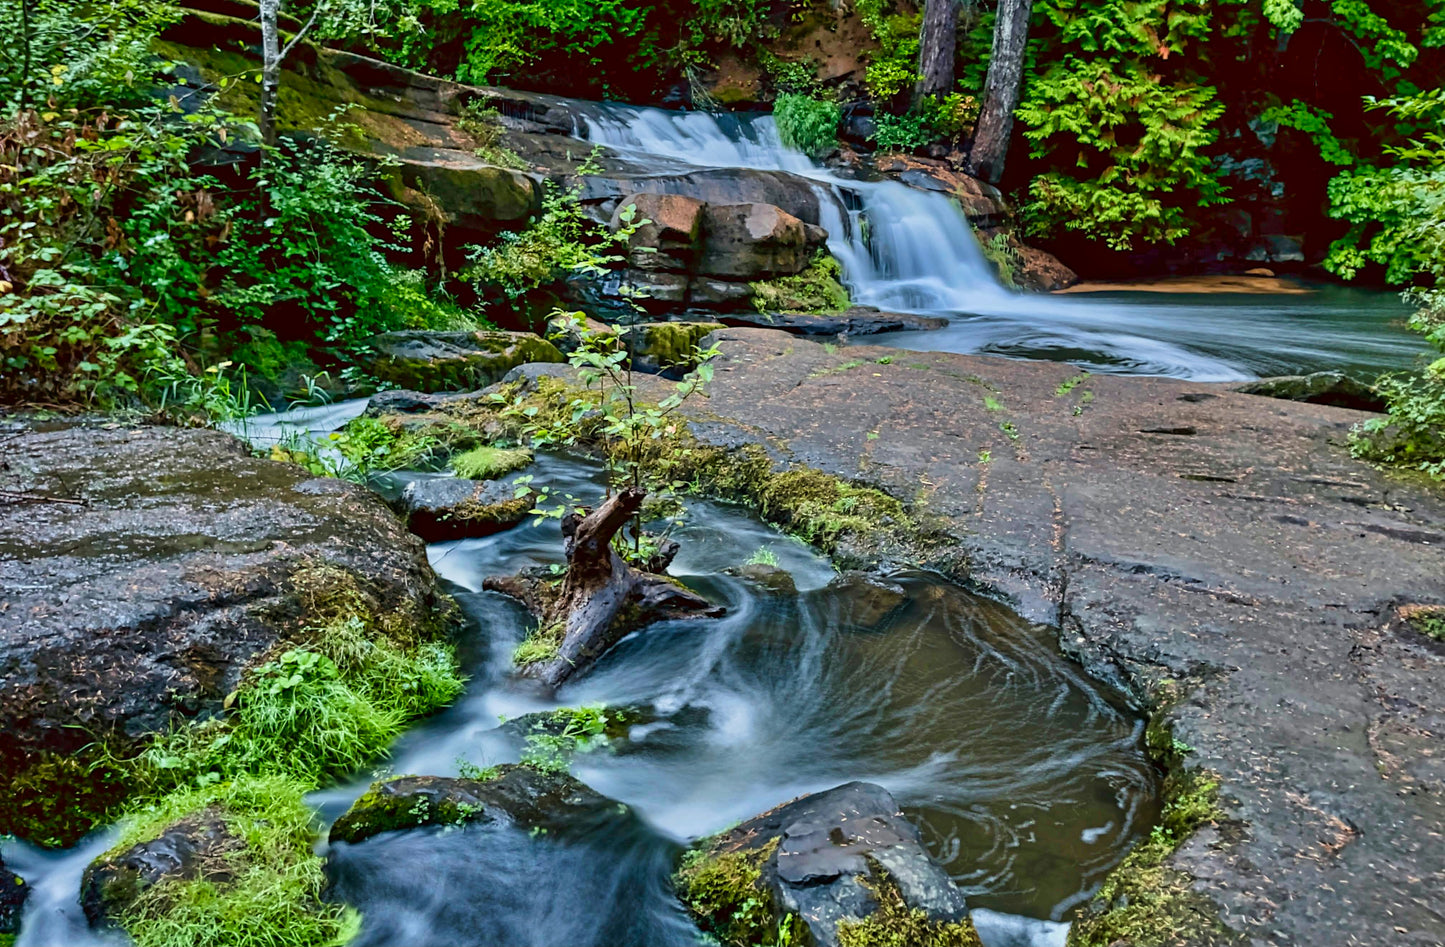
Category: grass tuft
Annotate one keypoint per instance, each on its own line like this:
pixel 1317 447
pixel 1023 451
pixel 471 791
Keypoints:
pixel 489 463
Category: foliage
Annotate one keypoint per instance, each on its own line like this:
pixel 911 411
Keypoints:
pixel 1001 253
pixel 1133 142
pixel 907 132
pixel 895 924
pixel 763 556
pixel 552 741
pixel 540 645
pixel 810 125
pixel 273 893
pixel 484 124
pixel 561 240
pixel 893 64
pixel 1315 123
pixel 1397 215
pixel 818 288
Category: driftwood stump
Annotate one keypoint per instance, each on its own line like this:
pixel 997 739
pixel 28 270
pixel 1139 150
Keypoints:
pixel 602 597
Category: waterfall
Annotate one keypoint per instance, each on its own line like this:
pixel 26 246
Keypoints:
pixel 910 250
pixel 901 248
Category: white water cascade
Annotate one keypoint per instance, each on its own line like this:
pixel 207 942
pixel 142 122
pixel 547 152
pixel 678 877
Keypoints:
pixel 912 250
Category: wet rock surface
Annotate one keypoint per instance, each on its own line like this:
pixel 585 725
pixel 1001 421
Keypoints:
pixel 824 858
pixel 520 795
pixel 13 892
pixel 195 847
pixel 428 361
pixel 143 570
pixel 1187 540
pixel 857 320
pixel 442 508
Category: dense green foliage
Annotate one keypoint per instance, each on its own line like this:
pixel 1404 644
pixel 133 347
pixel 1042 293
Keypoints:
pixel 807 124
pixel 126 265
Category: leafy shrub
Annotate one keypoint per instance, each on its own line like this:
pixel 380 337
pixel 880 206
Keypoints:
pixel 484 124
pixel 561 239
pixel 907 132
pixel 810 125
pixel 893 65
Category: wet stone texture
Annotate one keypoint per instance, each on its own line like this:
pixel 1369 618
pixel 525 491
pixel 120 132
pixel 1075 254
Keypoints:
pixel 195 847
pixel 831 847
pixel 13 892
pixel 143 570
pixel 1187 540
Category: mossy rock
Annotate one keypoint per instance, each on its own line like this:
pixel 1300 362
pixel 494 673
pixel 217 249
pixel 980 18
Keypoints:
pixel 547 802
pixel 455 361
pixel 662 347
pixel 488 463
pixel 841 868
pixel 448 508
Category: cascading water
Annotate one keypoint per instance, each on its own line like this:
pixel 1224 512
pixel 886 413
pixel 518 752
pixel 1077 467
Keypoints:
pixel 911 250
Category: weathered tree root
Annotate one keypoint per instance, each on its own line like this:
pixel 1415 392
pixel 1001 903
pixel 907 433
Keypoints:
pixel 602 597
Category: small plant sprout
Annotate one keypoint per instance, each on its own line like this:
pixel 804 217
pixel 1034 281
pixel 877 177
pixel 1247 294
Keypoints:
pixel 763 556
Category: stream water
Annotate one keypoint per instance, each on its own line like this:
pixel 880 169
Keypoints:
pixel 911 250
pixel 1028 782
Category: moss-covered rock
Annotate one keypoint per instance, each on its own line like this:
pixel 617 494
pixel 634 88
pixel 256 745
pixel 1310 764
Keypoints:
pixel 189 563
pixel 841 868
pixel 487 462
pixel 439 509
pixel 550 802
pixel 455 361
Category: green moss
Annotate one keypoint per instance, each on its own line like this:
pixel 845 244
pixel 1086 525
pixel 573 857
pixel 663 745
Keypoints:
pixel 540 645
pixel 266 891
pixel 725 892
pixel 380 811
pixel 1428 621
pixel 55 799
pixel 895 924
pixel 1145 902
pixel 670 344
pixel 822 509
pixel 488 463
pixel 816 289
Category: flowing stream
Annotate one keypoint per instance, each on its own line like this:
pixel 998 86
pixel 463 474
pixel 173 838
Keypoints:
pixel 1027 780
pixel 911 250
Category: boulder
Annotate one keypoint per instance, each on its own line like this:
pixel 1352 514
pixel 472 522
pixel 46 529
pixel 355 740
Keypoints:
pixel 866 600
pixel 721 295
pixel 754 241
pixel 858 320
pixel 1042 272
pixel 666 347
pixel 771 580
pixel 442 508
pixel 520 795
pixel 144 570
pixel 1332 388
pixel 13 892
pixel 465 193
pixel 982 203
pixel 669 239
pixel 197 846
pixel 845 864
pixel 429 361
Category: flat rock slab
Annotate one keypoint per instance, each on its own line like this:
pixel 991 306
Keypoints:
pixel 143 570
pixel 859 320
pixel 1175 532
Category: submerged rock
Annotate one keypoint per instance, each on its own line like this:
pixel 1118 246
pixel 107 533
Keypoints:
pixel 429 361
pixel 144 570
pixel 443 508
pixel 520 795
pixel 195 847
pixel 1331 388
pixel 843 864
pixel 13 892
pixel 770 579
pixel 858 320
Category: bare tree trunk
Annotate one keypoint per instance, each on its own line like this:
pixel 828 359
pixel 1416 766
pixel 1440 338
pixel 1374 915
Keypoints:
pixel 1001 90
pixel 599 588
pixel 270 70
pixel 936 49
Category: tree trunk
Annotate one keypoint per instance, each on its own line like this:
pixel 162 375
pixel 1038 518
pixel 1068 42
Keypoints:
pixel 1001 91
pixel 600 586
pixel 270 70
pixel 936 49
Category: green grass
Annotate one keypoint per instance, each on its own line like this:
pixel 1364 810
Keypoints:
pixel 488 463
pixel 540 645
pixel 273 895
pixel 764 556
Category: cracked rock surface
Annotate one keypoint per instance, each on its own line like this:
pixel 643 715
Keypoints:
pixel 1184 538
